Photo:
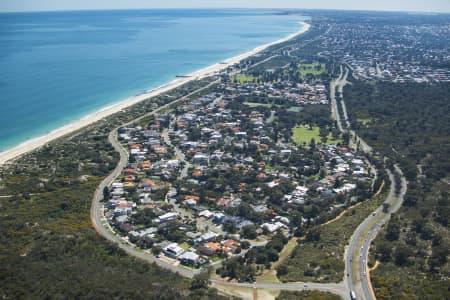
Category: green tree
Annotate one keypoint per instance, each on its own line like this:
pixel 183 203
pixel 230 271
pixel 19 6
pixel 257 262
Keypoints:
pixel 249 232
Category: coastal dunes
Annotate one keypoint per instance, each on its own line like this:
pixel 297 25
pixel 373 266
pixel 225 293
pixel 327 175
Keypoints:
pixel 35 143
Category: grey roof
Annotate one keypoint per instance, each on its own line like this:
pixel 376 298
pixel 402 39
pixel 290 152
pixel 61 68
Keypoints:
pixel 189 256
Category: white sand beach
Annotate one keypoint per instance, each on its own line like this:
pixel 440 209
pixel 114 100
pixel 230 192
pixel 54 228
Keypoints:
pixel 35 143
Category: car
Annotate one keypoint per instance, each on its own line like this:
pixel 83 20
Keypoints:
pixel 305 286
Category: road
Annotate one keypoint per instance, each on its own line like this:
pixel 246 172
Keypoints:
pixel 334 107
pixel 338 84
pixel 335 288
pixel 357 252
pixel 96 212
pixel 178 153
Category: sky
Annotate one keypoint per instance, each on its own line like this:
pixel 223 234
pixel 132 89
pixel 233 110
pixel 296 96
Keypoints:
pixel 387 5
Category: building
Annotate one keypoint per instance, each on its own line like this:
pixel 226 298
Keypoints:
pixel 167 217
pixel 189 258
pixel 173 250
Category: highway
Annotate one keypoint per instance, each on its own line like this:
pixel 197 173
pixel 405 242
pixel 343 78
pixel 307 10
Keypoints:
pixel 357 252
pixel 357 276
pixel 338 84
pixel 334 107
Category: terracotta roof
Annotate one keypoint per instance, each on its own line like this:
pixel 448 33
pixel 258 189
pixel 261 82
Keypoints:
pixel 213 246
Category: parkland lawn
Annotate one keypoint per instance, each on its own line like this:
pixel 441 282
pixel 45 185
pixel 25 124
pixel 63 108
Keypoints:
pixel 243 78
pixel 303 135
pixel 313 69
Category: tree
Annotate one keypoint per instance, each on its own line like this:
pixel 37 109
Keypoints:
pixel 105 193
pixel 282 270
pixel 313 235
pixel 249 232
pixel 245 245
pixel 427 232
pixel 312 144
pixel 272 255
pixel 156 250
pixel 392 231
pixel 299 231
pixel 337 183
pixel 200 281
pixel 402 253
pixel 229 227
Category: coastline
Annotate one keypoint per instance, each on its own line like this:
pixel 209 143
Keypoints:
pixel 40 141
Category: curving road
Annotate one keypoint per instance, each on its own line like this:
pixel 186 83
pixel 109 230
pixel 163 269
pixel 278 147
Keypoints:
pixel 357 277
pixel 96 212
pixel 357 252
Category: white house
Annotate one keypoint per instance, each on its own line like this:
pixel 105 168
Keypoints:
pixel 167 217
pixel 173 250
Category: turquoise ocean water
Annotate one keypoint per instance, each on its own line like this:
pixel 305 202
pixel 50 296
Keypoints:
pixel 57 67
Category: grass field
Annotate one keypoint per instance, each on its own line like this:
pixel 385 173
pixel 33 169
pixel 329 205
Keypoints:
pixel 303 135
pixel 313 69
pixel 364 121
pixel 332 141
pixel 256 104
pixel 242 78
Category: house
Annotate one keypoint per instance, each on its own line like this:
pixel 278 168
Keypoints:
pixel 117 185
pixel 286 152
pixel 189 258
pixel 210 248
pixel 260 208
pixel 190 202
pixel 206 214
pixel 193 235
pixel 209 236
pixel 283 220
pixel 200 158
pixel 134 236
pixel 230 245
pixel 122 211
pixel 145 234
pixel 121 219
pixel 218 217
pixel 167 217
pixel 272 227
pixel 173 250
pixel 126 227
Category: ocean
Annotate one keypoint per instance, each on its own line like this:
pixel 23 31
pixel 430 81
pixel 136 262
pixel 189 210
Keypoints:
pixel 57 67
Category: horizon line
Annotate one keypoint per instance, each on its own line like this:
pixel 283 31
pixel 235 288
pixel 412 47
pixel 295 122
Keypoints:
pixel 224 8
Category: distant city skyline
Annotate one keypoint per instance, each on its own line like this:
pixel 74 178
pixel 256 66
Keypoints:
pixel 380 5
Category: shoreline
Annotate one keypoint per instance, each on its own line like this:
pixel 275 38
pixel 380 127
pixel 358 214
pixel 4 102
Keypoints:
pixel 98 115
